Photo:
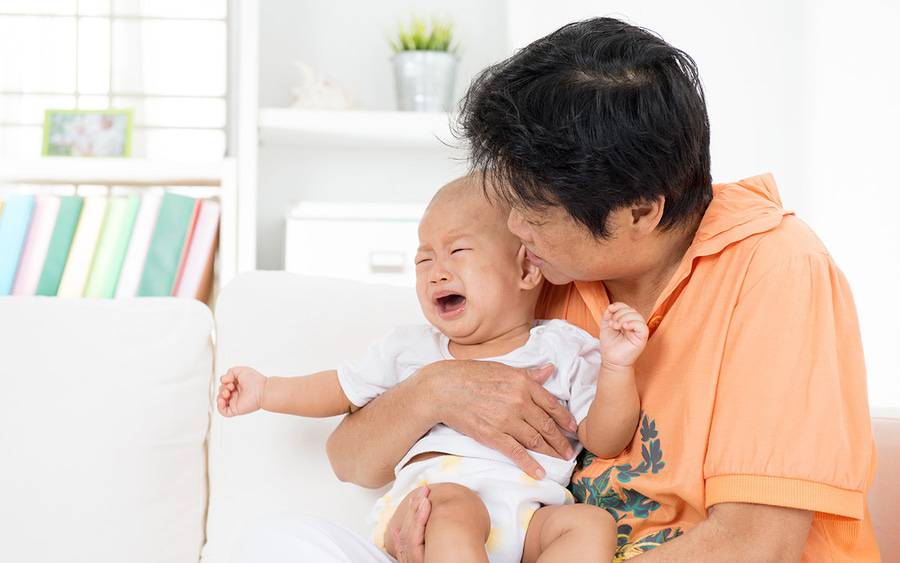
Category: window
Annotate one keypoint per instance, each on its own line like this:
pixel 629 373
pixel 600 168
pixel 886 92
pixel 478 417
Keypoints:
pixel 165 59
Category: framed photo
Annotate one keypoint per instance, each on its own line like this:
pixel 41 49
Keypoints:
pixel 81 132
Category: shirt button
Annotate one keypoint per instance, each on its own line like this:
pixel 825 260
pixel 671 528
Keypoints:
pixel 654 322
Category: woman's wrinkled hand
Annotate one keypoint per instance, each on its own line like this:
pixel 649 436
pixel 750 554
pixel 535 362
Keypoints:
pixel 504 408
pixel 409 537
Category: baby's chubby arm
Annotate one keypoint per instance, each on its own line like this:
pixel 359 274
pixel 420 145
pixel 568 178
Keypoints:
pixel 244 390
pixel 612 419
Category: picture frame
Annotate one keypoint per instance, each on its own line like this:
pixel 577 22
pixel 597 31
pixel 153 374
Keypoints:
pixel 88 133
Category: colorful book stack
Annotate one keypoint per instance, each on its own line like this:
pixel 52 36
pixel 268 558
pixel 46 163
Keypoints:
pixel 99 246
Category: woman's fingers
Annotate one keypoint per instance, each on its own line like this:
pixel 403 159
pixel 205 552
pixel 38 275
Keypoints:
pixel 560 414
pixel 544 434
pixel 410 540
pixel 516 452
pixel 541 374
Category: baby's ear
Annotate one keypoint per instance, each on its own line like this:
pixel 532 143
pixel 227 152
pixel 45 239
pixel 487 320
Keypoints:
pixel 531 276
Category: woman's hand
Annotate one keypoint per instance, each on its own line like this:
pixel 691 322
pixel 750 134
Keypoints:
pixel 409 537
pixel 504 408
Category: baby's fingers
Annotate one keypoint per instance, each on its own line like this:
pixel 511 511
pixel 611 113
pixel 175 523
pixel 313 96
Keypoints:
pixel 229 377
pixel 638 327
pixel 222 406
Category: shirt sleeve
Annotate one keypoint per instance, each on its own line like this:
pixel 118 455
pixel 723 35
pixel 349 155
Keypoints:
pixel 790 426
pixel 583 378
pixel 374 373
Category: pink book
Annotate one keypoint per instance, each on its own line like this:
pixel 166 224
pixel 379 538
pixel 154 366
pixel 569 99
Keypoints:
pixel 37 242
pixel 187 245
pixel 200 252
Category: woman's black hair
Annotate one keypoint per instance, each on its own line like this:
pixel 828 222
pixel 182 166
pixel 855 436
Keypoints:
pixel 596 116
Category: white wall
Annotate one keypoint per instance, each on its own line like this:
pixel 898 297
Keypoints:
pixel 852 189
pixel 348 42
pixel 808 90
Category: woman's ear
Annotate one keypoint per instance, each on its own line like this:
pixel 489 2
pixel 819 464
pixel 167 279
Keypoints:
pixel 531 276
pixel 646 216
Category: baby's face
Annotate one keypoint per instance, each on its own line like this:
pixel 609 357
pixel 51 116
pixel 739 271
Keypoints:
pixel 467 273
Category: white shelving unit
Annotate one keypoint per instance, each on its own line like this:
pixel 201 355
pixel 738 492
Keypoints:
pixel 354 128
pixel 215 179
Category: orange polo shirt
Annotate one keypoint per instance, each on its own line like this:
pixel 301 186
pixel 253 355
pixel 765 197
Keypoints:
pixel 752 385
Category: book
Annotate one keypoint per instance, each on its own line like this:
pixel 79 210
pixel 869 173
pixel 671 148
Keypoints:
pixel 133 266
pixel 81 254
pixel 112 246
pixel 60 242
pixel 201 252
pixel 43 219
pixel 187 243
pixel 166 245
pixel 14 225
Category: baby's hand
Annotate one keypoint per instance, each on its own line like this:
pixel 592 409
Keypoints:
pixel 623 335
pixel 240 391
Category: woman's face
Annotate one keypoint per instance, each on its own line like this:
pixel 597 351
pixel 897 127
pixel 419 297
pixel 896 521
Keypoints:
pixel 566 251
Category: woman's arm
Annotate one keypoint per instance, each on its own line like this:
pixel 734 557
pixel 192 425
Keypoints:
pixel 504 408
pixel 755 533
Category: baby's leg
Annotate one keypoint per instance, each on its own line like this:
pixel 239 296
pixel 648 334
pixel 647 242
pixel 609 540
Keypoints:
pixel 572 532
pixel 457 528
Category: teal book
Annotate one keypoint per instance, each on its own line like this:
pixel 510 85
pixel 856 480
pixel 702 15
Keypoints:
pixel 112 247
pixel 14 225
pixel 60 242
pixel 166 245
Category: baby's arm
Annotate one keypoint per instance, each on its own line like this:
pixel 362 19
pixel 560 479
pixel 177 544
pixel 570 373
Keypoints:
pixel 245 390
pixel 612 419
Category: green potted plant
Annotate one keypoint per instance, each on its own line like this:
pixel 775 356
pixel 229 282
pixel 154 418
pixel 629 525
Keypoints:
pixel 424 66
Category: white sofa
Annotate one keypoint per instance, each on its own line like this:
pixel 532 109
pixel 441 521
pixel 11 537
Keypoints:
pixel 110 450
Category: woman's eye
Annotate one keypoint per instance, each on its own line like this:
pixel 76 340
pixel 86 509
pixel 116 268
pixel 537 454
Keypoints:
pixel 459 250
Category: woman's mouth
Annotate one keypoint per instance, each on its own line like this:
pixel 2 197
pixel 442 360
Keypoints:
pixel 533 258
pixel 450 306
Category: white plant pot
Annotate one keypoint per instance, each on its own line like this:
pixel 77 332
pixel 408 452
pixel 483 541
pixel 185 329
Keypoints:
pixel 424 80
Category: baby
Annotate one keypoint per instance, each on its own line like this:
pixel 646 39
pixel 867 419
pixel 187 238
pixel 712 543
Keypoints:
pixel 478 290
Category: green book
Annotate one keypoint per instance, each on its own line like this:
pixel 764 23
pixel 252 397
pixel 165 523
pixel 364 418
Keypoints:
pixel 112 247
pixel 60 241
pixel 166 244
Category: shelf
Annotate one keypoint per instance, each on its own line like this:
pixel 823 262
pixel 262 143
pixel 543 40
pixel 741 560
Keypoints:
pixel 357 129
pixel 218 177
pixel 110 172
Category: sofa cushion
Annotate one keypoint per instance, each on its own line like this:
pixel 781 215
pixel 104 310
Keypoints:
pixel 884 498
pixel 103 428
pixel 269 466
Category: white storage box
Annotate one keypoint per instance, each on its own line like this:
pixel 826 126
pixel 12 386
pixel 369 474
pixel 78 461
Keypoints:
pixel 368 242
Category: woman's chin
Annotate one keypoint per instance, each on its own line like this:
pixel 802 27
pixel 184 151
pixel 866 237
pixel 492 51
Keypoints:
pixel 554 277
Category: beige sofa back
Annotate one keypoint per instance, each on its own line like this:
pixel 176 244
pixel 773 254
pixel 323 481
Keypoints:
pixel 270 466
pixel 884 495
pixel 102 429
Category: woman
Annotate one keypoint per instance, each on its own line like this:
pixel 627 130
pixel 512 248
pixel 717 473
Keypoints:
pixel 754 443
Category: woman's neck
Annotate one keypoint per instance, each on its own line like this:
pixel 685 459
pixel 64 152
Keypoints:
pixel 643 290
pixel 504 343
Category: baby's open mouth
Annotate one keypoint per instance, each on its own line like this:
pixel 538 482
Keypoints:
pixel 451 303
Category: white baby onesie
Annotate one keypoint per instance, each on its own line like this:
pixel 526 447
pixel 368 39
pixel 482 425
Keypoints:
pixel 510 496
